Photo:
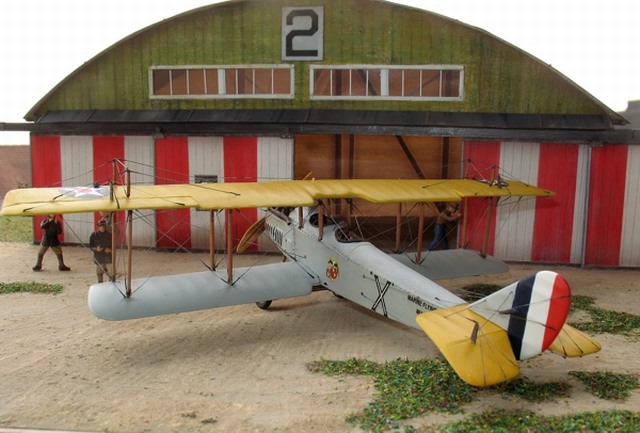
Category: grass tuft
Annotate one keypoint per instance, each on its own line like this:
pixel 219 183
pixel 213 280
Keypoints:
pixel 534 392
pixel 404 389
pixel 505 421
pixel 30 287
pixel 608 385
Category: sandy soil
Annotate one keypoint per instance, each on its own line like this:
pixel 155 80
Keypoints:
pixel 240 368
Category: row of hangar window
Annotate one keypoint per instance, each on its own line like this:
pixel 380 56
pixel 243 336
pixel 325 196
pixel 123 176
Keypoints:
pixel 402 82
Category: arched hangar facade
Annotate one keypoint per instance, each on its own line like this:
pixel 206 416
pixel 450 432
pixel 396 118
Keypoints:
pixel 254 90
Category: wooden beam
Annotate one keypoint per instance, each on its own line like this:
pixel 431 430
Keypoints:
pixel 410 157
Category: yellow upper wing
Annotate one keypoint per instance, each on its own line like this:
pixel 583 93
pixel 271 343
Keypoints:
pixel 289 193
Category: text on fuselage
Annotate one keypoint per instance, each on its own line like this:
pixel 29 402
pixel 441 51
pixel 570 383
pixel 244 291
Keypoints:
pixel 420 302
pixel 275 234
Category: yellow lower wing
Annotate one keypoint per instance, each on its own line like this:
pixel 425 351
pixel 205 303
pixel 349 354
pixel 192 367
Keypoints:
pixel 478 350
pixel 573 343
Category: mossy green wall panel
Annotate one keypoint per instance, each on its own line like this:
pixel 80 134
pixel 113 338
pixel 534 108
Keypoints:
pixel 498 77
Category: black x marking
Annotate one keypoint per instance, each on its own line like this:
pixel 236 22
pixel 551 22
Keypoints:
pixel 381 292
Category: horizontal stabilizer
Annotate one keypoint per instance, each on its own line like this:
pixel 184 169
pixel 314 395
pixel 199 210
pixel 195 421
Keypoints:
pixel 442 264
pixel 478 350
pixel 573 343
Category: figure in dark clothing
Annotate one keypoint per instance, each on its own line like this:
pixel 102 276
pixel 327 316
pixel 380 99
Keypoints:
pixel 52 229
pixel 100 243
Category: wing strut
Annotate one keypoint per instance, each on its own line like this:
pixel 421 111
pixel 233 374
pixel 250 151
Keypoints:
pixel 212 240
pixel 398 227
pixel 129 237
pixel 229 218
pixel 491 203
pixel 114 239
pixel 320 219
pixel 420 233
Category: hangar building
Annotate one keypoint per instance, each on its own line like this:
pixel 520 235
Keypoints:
pixel 262 90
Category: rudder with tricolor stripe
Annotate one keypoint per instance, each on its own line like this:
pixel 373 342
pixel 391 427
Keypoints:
pixel 532 311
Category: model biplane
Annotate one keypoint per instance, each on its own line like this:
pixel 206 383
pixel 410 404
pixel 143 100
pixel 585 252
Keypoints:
pixel 482 340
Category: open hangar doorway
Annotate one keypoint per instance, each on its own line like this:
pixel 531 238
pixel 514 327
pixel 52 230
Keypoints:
pixel 362 156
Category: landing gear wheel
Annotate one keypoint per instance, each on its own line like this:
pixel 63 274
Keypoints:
pixel 264 304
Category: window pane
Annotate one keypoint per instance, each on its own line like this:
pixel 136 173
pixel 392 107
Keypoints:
pixel 322 82
pixel 395 82
pixel 358 82
pixel 341 82
pixel 212 81
pixel 431 82
pixel 178 82
pixel 231 81
pixel 282 81
pixel 451 83
pixel 374 83
pixel 412 83
pixel 161 82
pixel 263 81
pixel 196 81
pixel 245 81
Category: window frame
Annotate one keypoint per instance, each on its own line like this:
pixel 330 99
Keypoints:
pixel 385 75
pixel 222 72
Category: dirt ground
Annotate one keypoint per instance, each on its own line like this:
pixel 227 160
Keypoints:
pixel 236 369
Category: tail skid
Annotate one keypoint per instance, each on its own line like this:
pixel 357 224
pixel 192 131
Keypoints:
pixel 483 341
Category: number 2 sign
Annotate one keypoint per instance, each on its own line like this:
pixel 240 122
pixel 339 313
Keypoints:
pixel 302 33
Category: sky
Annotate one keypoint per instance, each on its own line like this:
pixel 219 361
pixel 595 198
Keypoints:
pixel 592 42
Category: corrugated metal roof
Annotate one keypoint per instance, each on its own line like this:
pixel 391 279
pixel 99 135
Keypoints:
pixel 335 117
pixel 490 126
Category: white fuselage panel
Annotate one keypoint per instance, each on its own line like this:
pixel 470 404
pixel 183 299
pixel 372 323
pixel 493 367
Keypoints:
pixel 360 272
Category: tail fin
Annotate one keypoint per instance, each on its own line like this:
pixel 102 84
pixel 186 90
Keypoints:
pixel 482 341
pixel 532 311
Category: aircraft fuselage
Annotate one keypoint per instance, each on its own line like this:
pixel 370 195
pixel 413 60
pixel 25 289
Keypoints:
pixel 358 271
